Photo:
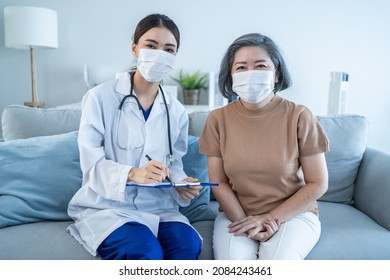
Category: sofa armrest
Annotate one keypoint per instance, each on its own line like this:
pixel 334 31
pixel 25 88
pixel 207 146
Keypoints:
pixel 372 189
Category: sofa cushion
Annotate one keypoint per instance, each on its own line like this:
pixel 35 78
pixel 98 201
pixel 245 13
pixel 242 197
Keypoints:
pixel 349 234
pixel 39 176
pixel 348 135
pixel 19 122
pixel 195 165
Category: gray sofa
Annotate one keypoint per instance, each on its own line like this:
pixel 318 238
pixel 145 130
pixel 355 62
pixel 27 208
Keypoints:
pixel 39 174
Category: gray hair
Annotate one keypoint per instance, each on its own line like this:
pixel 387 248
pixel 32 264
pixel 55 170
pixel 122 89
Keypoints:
pixel 225 80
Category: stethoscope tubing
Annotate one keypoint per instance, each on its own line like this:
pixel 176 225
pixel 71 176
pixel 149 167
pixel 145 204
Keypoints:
pixel 131 94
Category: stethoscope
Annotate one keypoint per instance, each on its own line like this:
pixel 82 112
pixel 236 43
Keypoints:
pixel 131 94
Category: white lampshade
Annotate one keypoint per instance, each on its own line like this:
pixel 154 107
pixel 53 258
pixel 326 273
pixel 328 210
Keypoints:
pixel 26 27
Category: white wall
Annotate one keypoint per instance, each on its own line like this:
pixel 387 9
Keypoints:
pixel 317 37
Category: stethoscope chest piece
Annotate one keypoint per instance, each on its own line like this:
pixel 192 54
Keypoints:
pixel 171 160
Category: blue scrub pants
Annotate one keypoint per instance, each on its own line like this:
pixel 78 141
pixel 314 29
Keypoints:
pixel 135 241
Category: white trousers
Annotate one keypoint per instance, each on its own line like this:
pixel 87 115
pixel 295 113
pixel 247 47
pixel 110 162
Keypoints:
pixel 293 241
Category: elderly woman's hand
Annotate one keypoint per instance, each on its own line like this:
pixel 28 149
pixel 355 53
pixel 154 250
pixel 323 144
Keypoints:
pixel 259 227
pixel 271 227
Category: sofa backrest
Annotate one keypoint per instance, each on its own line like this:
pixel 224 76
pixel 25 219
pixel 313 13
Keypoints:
pixel 197 121
pixel 20 122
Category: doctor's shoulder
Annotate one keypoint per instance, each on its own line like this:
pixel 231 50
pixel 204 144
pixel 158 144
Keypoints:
pixel 104 91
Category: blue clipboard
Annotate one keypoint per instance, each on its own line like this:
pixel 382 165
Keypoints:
pixel 163 185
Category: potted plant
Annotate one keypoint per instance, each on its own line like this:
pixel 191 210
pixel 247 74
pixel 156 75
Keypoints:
pixel 191 83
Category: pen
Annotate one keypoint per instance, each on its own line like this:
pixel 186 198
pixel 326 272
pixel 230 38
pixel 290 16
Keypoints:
pixel 166 178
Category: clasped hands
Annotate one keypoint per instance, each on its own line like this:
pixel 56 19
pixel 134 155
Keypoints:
pixel 154 172
pixel 259 228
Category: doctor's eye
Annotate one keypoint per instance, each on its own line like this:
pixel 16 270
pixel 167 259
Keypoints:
pixel 170 50
pixel 150 46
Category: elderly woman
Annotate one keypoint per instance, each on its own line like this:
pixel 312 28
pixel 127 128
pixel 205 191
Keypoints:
pixel 267 154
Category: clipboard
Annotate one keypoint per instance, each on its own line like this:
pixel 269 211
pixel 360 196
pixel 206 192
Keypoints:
pixel 163 185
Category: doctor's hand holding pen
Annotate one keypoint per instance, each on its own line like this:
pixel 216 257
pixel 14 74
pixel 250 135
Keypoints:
pixel 152 172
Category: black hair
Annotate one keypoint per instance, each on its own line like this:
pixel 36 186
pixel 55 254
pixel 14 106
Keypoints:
pixel 156 20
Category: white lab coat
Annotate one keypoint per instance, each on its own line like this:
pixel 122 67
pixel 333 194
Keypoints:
pixel 109 147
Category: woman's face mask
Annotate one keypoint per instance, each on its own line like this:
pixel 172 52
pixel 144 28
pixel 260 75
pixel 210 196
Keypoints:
pixel 154 65
pixel 253 86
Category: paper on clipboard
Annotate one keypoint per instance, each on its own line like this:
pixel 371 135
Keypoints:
pixel 162 185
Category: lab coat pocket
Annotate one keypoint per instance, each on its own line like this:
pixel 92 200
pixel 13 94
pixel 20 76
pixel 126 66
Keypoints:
pixel 130 132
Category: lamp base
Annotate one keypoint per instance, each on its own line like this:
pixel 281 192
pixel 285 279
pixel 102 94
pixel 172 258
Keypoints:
pixel 35 104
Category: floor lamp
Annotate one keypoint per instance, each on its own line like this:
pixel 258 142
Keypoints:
pixel 30 28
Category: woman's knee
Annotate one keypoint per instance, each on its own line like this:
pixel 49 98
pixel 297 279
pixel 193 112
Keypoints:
pixel 227 246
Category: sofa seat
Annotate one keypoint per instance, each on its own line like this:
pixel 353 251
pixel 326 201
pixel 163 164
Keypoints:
pixel 347 234
pixel 47 240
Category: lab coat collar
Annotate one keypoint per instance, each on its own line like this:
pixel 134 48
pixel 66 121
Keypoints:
pixel 157 110
pixel 123 87
pixel 123 84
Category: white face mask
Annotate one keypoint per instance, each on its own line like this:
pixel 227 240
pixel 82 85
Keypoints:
pixel 253 86
pixel 154 65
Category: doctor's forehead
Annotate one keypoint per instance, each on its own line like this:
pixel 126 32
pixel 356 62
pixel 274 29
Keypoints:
pixel 160 36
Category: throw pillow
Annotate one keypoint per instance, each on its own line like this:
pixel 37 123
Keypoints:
pixel 348 135
pixel 39 176
pixel 195 165
pixel 20 122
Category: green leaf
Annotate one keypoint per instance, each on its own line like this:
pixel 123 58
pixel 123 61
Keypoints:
pixel 196 80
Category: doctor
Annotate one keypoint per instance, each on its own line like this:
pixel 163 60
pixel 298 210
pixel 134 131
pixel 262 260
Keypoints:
pixel 132 130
